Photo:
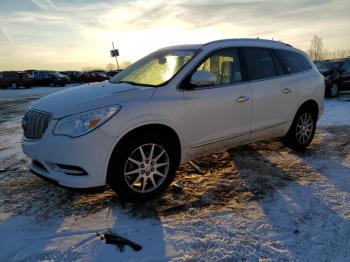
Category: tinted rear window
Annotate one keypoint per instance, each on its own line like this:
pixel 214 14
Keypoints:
pixel 259 63
pixel 293 62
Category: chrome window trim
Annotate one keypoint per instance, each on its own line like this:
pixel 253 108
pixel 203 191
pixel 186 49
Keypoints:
pixel 233 84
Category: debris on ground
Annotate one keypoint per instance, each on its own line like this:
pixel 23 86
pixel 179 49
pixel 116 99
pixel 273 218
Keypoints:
pixel 118 241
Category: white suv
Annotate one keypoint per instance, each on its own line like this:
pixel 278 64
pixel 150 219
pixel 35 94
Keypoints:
pixel 169 107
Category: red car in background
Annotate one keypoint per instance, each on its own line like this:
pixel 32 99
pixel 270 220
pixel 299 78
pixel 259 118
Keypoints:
pixel 93 76
pixel 15 79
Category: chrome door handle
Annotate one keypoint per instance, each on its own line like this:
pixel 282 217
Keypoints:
pixel 242 99
pixel 287 90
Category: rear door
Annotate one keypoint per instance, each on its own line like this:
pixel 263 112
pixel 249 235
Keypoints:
pixel 273 94
pixel 219 115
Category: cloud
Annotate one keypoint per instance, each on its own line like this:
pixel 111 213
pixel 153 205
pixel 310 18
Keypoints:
pixel 79 31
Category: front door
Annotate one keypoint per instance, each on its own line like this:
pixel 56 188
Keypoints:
pixel 219 115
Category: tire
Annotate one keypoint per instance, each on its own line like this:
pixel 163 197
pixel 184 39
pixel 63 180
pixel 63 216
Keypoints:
pixel 144 180
pixel 52 84
pixel 27 87
pixel 302 130
pixel 333 90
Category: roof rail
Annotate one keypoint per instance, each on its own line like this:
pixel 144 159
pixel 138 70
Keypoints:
pixel 247 39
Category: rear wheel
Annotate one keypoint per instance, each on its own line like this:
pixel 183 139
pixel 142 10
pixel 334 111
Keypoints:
pixel 302 130
pixel 333 90
pixel 142 168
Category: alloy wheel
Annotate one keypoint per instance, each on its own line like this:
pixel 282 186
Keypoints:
pixel 334 90
pixel 146 168
pixel 304 128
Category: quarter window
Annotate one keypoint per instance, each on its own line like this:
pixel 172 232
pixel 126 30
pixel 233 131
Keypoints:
pixel 293 62
pixel 259 63
pixel 225 65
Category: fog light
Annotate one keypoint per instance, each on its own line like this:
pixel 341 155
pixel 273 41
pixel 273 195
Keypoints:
pixel 70 170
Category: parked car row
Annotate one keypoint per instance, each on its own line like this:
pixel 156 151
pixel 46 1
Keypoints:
pixel 93 76
pixel 15 79
pixel 29 78
pixel 337 75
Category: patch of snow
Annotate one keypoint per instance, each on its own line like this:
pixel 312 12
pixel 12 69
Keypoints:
pixel 337 112
pixel 34 91
pixel 74 239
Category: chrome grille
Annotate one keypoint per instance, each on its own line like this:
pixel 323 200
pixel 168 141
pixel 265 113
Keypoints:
pixel 34 124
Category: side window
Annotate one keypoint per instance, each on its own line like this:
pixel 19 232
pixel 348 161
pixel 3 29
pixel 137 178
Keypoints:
pixel 293 62
pixel 225 65
pixel 1 75
pixel 346 67
pixel 259 63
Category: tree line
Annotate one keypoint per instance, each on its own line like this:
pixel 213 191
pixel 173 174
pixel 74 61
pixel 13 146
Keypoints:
pixel 317 52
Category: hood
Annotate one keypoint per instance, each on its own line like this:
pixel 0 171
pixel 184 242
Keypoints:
pixel 91 96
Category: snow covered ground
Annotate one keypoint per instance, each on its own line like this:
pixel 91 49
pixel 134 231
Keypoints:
pixel 257 202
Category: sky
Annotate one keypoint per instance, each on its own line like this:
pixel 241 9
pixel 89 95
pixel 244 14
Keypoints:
pixel 72 34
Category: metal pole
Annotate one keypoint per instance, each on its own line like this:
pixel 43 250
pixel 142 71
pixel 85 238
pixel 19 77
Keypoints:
pixel 116 57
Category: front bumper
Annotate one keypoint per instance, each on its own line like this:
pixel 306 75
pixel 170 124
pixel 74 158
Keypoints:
pixel 89 152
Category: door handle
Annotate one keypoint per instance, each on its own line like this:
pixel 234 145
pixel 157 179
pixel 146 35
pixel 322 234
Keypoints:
pixel 287 90
pixel 242 99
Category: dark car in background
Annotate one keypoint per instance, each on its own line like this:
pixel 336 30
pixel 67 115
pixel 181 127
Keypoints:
pixel 15 79
pixel 337 75
pixel 73 75
pixel 93 76
pixel 113 72
pixel 50 79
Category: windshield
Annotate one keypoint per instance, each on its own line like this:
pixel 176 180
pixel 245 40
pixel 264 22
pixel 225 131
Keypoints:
pixel 327 65
pixel 155 69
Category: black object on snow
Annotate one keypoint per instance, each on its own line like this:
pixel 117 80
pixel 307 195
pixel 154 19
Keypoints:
pixel 118 241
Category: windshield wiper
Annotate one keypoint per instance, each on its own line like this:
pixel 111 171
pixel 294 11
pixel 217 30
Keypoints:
pixel 132 83
pixel 127 82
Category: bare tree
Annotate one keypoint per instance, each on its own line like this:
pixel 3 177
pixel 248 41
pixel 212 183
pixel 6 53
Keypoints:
pixel 111 67
pixel 90 68
pixel 125 64
pixel 316 47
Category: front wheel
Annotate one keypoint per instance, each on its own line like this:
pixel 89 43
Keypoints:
pixel 302 130
pixel 142 168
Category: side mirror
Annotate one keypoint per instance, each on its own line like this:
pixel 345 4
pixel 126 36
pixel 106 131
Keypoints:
pixel 203 78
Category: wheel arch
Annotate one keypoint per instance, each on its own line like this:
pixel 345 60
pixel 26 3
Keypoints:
pixel 310 103
pixel 158 128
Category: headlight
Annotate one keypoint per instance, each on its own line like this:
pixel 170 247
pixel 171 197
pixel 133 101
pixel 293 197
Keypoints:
pixel 82 123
